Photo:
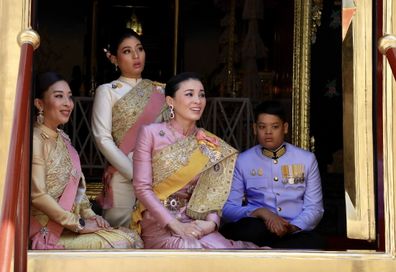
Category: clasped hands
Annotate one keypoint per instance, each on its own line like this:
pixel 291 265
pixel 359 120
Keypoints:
pixel 196 229
pixel 275 223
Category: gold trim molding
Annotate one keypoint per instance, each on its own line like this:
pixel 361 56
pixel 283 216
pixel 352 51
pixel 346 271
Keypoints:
pixel 209 260
pixel 29 36
pixel 386 42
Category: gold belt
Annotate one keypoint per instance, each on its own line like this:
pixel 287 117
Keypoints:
pixel 174 203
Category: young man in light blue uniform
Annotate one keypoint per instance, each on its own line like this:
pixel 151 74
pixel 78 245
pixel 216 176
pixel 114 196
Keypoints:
pixel 276 195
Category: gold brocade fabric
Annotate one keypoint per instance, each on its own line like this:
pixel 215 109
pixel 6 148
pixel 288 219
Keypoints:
pixel 215 180
pixel 127 110
pixel 58 168
pixel 171 158
pixel 114 238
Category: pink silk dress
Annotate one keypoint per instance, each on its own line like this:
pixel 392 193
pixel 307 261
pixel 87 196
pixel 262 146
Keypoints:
pixel 155 218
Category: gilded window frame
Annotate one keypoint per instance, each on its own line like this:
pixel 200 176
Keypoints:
pixel 270 260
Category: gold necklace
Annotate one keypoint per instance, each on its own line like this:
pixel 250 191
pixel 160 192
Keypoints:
pixel 174 130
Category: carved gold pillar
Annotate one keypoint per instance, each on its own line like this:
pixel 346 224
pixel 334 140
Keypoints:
pixel 301 73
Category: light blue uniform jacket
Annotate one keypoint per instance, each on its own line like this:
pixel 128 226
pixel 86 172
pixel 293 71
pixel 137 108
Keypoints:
pixel 289 187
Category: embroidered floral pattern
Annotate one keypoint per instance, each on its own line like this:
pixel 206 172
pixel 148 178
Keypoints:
pixel 127 110
pixel 171 158
pixel 59 167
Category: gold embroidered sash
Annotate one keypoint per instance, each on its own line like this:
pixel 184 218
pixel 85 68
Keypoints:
pixel 127 110
pixel 176 165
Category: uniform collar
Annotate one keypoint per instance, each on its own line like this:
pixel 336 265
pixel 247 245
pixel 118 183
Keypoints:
pixel 274 154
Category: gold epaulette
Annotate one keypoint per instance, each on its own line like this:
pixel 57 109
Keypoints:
pixel 274 154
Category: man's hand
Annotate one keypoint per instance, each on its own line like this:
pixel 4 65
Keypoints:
pixel 293 228
pixel 274 223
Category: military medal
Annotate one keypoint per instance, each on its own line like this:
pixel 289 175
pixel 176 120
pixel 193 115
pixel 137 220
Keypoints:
pixel 298 173
pixel 285 173
pixel 290 180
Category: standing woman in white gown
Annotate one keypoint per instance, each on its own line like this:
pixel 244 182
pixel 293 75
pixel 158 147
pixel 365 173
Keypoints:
pixel 120 108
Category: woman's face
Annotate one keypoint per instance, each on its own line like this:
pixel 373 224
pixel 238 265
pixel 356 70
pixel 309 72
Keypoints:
pixel 131 58
pixel 57 104
pixel 189 101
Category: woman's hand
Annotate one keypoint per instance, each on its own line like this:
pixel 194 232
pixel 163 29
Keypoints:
pixel 206 226
pixel 101 222
pixel 90 226
pixel 186 229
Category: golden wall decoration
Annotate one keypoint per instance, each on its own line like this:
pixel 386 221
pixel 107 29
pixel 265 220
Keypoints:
pixel 301 73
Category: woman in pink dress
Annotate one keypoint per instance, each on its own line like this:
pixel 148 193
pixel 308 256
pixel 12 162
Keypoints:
pixel 182 175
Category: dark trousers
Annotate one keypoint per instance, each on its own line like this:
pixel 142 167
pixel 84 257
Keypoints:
pixel 254 230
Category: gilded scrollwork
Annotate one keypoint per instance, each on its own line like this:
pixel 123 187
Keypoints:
pixel 301 73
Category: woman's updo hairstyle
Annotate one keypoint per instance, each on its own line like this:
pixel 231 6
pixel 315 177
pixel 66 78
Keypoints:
pixel 174 83
pixel 44 81
pixel 117 37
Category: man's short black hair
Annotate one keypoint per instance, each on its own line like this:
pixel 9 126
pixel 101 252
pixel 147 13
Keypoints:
pixel 272 107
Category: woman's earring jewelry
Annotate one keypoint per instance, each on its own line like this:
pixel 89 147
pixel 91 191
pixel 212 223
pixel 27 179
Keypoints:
pixel 40 117
pixel 116 67
pixel 171 112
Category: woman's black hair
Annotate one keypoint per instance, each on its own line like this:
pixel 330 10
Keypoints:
pixel 44 81
pixel 272 107
pixel 117 37
pixel 174 83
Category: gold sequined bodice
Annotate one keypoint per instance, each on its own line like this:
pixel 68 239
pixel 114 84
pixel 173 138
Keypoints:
pixel 58 163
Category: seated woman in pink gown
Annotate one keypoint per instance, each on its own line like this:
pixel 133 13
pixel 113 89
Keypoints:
pixel 182 175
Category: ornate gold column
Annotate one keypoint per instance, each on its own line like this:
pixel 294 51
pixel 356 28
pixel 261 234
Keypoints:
pixel 301 73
